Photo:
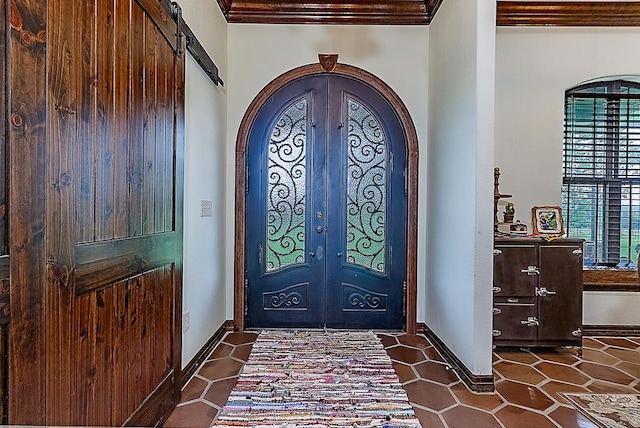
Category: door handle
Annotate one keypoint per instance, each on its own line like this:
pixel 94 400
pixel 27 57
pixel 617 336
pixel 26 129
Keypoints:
pixel 531 270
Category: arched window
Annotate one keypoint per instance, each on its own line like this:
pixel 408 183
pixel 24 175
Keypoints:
pixel 601 169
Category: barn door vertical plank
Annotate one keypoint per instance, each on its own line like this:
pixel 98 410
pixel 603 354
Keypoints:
pixel 169 185
pixel 146 333
pixel 62 179
pixel 87 92
pixel 103 403
pixel 178 204
pixel 168 197
pixel 82 333
pixel 83 357
pixel 136 125
pixel 27 138
pixel 4 29
pixel 161 140
pixel 4 250
pixel 119 353
pixel 150 120
pixel 122 100
pixel 105 130
pixel 3 366
pixel 134 364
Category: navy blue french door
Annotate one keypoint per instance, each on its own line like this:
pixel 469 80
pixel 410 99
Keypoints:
pixel 326 209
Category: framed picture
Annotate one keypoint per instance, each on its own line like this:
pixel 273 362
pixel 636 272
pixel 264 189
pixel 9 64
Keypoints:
pixel 547 220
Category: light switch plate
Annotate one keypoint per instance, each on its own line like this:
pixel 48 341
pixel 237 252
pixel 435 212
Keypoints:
pixel 206 208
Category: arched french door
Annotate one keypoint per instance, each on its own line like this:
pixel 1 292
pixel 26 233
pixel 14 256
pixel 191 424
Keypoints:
pixel 327 166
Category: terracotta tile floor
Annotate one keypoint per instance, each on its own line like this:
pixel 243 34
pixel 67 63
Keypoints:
pixel 527 382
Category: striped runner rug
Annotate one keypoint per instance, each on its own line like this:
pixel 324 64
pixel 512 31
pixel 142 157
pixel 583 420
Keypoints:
pixel 318 379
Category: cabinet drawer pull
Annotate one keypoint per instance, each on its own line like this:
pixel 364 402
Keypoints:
pixel 530 322
pixel 497 311
pixel 542 292
pixel 531 270
pixel 496 290
pixel 497 252
pixel 512 300
pixel 496 333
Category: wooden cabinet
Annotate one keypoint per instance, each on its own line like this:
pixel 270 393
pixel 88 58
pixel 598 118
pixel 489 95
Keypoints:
pixel 537 292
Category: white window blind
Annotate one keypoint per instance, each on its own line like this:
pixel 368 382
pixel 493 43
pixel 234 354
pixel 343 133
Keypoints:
pixel 601 170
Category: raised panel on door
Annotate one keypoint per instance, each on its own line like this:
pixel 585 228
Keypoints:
pixel 560 302
pixel 512 275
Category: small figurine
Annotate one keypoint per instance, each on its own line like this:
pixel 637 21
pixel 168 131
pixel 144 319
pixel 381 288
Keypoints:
pixel 509 212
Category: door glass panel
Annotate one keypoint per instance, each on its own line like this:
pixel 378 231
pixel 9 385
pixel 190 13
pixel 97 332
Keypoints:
pixel 366 188
pixel 286 188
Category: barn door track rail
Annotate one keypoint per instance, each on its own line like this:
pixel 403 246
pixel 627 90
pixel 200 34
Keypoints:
pixel 183 30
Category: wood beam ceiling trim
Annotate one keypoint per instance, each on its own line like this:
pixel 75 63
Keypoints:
pixel 357 12
pixel 568 14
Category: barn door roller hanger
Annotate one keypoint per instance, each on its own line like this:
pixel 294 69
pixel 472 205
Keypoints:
pixel 194 47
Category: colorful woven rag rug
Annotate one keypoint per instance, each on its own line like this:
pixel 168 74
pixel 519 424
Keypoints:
pixel 318 379
pixel 608 410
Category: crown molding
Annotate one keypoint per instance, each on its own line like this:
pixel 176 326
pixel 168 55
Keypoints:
pixel 421 12
pixel 568 14
pixel 356 12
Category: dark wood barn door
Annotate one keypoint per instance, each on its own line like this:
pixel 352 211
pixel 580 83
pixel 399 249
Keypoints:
pixel 95 189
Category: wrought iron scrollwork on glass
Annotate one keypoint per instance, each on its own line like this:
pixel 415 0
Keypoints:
pixel 366 188
pixel 286 188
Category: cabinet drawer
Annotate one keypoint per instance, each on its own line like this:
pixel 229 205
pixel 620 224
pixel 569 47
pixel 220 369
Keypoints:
pixel 515 319
pixel 526 287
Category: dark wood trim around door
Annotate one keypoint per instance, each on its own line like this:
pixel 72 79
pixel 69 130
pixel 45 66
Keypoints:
pixel 412 180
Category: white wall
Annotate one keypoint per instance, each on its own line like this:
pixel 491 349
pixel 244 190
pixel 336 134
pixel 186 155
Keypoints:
pixel 534 66
pixel 260 53
pixel 460 205
pixel 205 261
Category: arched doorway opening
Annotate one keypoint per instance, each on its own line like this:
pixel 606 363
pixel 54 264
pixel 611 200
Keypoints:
pixel 328 67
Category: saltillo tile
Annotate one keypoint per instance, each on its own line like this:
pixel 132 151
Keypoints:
pixel 562 373
pixel 512 416
pixel 220 369
pixel 609 374
pixel 460 416
pixel 404 354
pixel 554 388
pixel 524 395
pixel 519 372
pixel 405 372
pixel 236 338
pixel 436 372
pixel 619 342
pixel 430 395
pixel 484 401
pixel 568 417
